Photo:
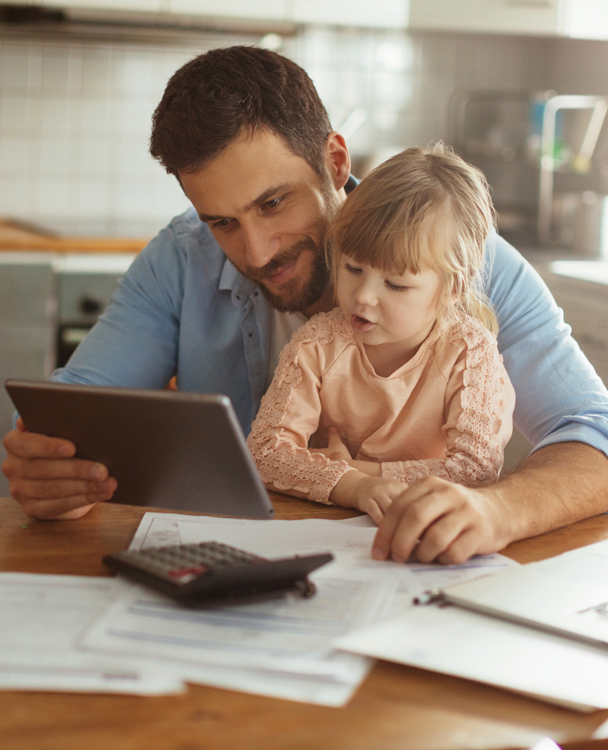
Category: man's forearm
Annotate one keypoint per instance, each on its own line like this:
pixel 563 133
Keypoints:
pixel 556 486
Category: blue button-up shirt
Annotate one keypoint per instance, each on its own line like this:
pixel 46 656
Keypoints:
pixel 182 308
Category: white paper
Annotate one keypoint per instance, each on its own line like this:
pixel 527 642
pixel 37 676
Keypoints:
pixel 601 733
pixel 245 648
pixel 350 542
pixel 567 594
pixel 290 637
pixel 453 641
pixel 41 618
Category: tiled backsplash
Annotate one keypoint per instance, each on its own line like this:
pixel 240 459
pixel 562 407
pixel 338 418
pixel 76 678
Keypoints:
pixel 75 116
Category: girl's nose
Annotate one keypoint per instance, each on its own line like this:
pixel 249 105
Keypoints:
pixel 365 294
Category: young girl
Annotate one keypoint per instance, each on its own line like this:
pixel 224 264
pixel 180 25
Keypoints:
pixel 406 369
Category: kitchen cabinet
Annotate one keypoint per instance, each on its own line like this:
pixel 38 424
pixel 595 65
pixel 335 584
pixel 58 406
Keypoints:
pixel 27 327
pixel 272 10
pixel 582 19
pixel 381 13
pixel 142 6
pixel 585 306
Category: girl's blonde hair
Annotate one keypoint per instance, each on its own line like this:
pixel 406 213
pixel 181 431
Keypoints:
pixel 424 207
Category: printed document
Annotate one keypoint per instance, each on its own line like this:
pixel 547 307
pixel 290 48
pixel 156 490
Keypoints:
pixel 282 648
pixel 567 594
pixel 451 640
pixel 41 618
pixel 518 629
pixel 350 542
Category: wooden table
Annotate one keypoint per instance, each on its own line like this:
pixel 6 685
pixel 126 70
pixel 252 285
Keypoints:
pixel 396 708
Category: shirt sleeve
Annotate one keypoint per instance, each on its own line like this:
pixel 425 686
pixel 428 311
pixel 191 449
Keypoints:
pixel 134 343
pixel 478 419
pixel 289 416
pixel 560 397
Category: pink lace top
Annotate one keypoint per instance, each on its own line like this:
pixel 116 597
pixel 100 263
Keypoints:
pixel 447 412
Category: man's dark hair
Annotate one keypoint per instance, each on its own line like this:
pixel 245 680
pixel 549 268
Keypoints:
pixel 216 96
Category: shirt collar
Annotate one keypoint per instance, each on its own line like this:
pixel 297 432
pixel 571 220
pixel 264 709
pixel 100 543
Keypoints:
pixel 232 280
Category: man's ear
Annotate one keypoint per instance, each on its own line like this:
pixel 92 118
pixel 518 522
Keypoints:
pixel 337 159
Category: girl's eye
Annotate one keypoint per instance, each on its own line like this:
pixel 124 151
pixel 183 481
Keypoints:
pixel 396 287
pixel 352 269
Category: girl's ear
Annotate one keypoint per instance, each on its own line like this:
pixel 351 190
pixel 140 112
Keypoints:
pixel 449 295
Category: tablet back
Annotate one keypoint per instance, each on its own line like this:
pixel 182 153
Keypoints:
pixel 167 449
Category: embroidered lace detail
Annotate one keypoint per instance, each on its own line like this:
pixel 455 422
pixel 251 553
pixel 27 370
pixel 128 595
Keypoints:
pixel 282 463
pixel 477 454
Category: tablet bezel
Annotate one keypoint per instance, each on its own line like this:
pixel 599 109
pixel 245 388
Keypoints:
pixel 167 449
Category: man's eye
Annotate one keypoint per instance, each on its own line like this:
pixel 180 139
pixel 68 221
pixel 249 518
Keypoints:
pixel 273 203
pixel 396 287
pixel 221 224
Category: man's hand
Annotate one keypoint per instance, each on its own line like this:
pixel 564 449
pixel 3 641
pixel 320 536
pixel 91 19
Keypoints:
pixel 438 520
pixel 46 479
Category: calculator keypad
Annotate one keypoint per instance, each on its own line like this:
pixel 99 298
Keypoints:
pixel 186 562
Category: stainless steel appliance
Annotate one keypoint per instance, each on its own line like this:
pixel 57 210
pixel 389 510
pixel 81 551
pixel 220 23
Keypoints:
pixel 538 151
pixel 48 303
pixel 84 287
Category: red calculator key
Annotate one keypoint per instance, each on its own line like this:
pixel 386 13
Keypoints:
pixel 195 570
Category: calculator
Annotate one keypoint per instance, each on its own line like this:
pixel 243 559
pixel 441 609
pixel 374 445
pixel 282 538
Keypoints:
pixel 212 573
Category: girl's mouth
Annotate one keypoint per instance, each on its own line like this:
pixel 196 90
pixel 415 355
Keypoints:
pixel 361 324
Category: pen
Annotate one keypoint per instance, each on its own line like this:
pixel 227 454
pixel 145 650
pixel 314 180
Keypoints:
pixel 428 597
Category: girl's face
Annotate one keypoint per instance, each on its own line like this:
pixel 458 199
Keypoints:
pixel 388 308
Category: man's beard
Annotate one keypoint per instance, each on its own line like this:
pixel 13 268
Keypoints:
pixel 297 295
pixel 294 299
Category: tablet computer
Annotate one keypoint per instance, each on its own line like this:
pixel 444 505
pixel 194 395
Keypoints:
pixel 166 449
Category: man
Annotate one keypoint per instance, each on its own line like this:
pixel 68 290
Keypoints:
pixel 216 294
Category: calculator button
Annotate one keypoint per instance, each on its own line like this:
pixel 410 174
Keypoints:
pixel 196 570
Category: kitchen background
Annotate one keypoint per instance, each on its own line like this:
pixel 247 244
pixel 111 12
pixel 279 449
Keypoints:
pixel 75 116
pixel 75 112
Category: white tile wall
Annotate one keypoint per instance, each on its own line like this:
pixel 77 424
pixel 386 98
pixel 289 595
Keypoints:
pixel 75 116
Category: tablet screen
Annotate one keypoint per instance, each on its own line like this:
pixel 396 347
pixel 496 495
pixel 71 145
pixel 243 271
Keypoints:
pixel 166 449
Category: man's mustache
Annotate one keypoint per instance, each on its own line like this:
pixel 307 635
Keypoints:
pixel 280 261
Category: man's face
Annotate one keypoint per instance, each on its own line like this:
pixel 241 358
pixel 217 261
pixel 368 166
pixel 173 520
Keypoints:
pixel 269 211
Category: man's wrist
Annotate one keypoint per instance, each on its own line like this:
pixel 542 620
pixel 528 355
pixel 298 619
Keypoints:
pixel 507 521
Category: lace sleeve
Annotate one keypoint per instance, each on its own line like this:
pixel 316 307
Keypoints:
pixel 479 408
pixel 289 415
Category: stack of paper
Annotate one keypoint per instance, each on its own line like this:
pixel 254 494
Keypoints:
pixel 282 648
pixel 41 619
pixel 107 634
pixel 511 639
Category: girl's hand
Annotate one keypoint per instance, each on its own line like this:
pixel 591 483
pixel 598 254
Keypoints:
pixel 337 451
pixel 371 495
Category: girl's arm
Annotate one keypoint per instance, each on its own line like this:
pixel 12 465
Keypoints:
pixel 479 406
pixel 289 415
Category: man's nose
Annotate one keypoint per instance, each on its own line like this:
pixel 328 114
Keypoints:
pixel 261 245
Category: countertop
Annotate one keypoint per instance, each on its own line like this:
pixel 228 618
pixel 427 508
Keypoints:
pixel 19 237
pixel 561 262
